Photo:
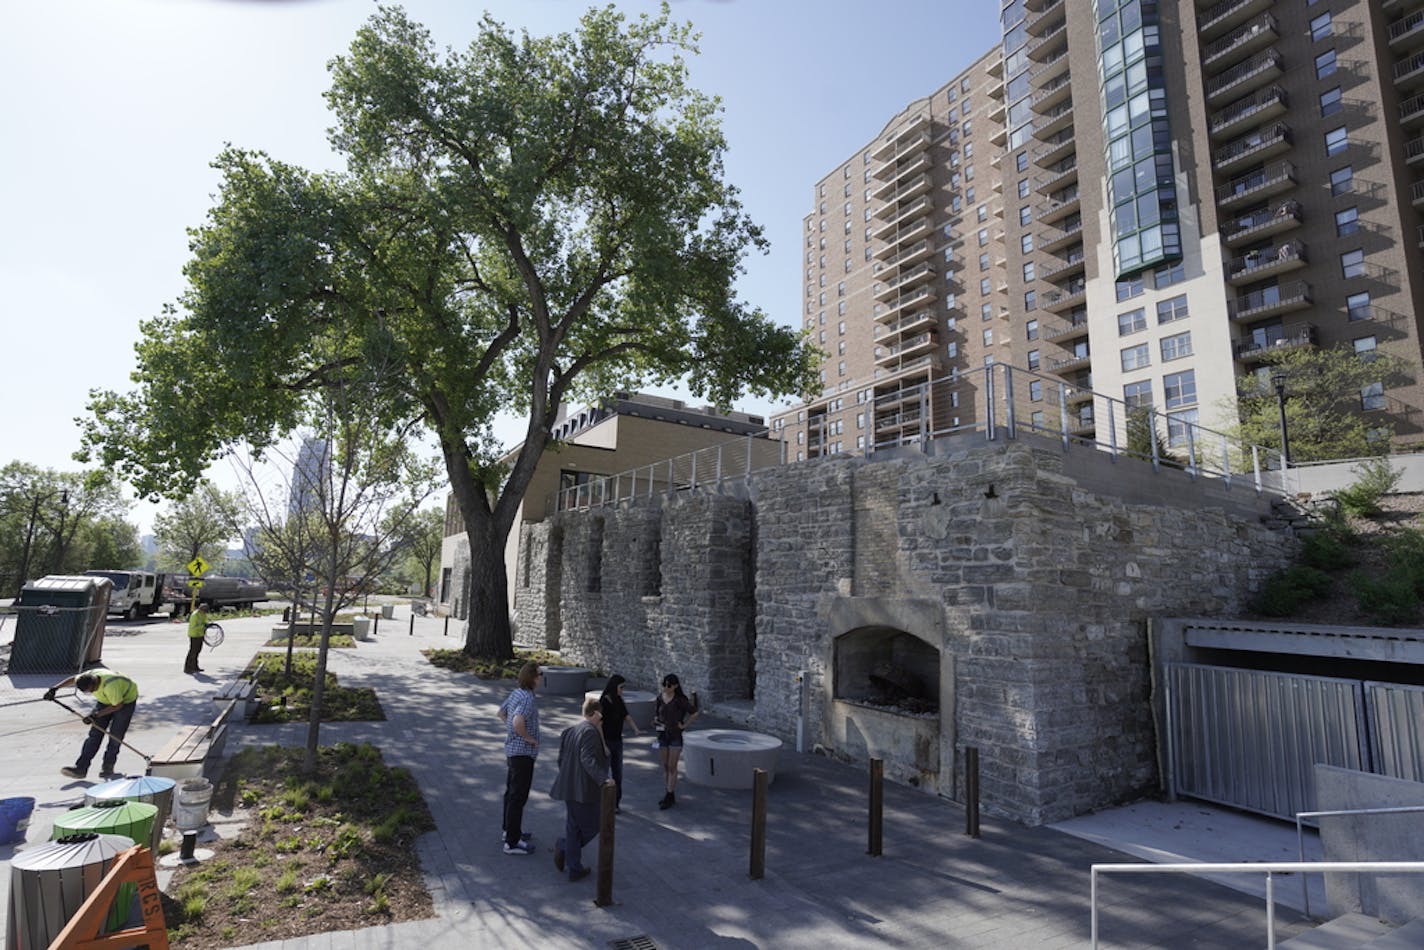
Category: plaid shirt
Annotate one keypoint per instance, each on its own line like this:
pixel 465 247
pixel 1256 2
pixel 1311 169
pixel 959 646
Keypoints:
pixel 520 703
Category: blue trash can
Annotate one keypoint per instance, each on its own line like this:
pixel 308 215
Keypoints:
pixel 14 819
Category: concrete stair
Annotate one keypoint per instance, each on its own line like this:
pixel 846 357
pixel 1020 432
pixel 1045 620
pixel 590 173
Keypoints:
pixel 1358 931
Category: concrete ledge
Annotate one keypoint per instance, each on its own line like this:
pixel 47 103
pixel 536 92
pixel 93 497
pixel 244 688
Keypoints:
pixel 727 758
pixel 563 680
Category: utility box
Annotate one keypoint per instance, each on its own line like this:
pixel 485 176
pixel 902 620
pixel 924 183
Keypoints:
pixel 59 627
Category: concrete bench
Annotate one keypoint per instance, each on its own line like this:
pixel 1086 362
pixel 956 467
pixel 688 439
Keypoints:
pixel 728 758
pixel 240 690
pixel 187 753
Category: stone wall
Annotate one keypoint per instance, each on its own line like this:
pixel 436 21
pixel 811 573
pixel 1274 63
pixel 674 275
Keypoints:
pixel 1036 590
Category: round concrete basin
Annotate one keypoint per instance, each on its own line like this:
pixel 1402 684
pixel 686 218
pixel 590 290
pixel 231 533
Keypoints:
pixel 564 680
pixel 728 758
pixel 639 703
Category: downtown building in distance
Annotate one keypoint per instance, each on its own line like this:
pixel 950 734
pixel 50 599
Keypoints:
pixel 1134 203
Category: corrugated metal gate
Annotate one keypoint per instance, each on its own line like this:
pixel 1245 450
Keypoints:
pixel 1396 720
pixel 1250 738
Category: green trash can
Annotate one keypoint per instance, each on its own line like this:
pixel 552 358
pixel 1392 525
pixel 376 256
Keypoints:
pixel 133 820
pixel 59 624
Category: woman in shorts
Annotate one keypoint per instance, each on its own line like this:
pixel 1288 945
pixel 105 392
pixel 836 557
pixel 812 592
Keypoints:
pixel 672 713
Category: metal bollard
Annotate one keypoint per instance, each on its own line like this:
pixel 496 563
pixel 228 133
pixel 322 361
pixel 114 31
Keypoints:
pixel 190 844
pixel 604 895
pixel 376 623
pixel 447 626
pixel 877 807
pixel 971 791
pixel 758 861
pixel 412 623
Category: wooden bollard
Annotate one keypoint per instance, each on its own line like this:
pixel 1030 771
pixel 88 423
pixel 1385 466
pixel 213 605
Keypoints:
pixel 971 791
pixel 758 861
pixel 606 806
pixel 877 807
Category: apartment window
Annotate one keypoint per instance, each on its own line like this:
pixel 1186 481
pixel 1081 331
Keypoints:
pixel 1342 180
pixel 841 308
pixel 1337 140
pixel 1180 426
pixel 989 337
pixel 968 169
pixel 955 203
pixel 1172 309
pixel 1357 306
pixel 840 348
pixel 986 311
pixel 1031 330
pixel 1365 345
pixel 1176 346
pixel 1030 299
pixel 1021 161
pixel 982 213
pixel 1035 390
pixel 1129 288
pixel 1180 389
pixel 964 85
pixel 821 281
pixel 1347 221
pixel 1035 419
pixel 983 236
pixel 952 349
pixel 840 368
pixel 1023 187
pixel 983 261
pixel 847 230
pixel 1138 395
pixel 984 287
pixel 823 225
pixel 954 399
pixel 1169 275
pixel 969 193
pixel 1026 243
pixel 1136 357
pixel 867 253
pixel 1320 27
pixel 1330 102
pixel 821 298
pixel 967 106
pixel 1131 322
pixel 1352 263
pixel 822 336
pixel 1325 64
pixel 1372 396
pixel 1033 359
pixel 1028 271
pixel 840 289
pixel 840 328
pixel 1025 216
pixel 967 128
pixel 846 209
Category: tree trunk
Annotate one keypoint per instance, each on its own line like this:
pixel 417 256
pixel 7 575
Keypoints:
pixel 319 687
pixel 490 634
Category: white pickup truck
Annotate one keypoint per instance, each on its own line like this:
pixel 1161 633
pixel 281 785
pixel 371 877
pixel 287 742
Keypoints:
pixel 136 593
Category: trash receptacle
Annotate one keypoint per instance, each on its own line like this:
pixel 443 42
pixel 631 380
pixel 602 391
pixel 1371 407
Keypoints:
pixel 133 820
pixel 49 884
pixel 59 625
pixel 150 789
pixel 190 812
pixel 388 611
pixel 361 628
pixel 15 819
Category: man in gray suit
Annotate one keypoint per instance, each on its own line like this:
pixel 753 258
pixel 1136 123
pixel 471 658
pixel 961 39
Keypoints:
pixel 583 770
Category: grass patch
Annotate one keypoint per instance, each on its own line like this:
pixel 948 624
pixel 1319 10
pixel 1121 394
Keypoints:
pixel 354 835
pixel 338 640
pixel 459 661
pixel 288 698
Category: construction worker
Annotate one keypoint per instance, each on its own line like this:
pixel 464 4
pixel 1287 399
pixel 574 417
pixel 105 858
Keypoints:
pixel 197 624
pixel 117 697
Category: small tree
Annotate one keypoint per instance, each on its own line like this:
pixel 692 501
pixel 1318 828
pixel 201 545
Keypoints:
pixel 419 540
pixel 199 524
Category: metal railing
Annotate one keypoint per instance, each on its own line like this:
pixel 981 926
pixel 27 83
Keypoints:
pixel 1337 813
pixel 1268 868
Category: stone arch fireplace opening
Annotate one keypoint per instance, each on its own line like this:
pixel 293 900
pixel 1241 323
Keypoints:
pixel 887 669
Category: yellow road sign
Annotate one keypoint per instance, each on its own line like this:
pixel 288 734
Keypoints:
pixel 198 565
pixel 195 582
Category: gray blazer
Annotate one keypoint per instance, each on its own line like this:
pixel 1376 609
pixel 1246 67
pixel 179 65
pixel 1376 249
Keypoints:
pixel 583 764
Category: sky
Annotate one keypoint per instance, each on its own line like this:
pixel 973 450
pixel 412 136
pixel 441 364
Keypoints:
pixel 114 110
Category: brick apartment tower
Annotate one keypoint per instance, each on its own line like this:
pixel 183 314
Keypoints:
pixel 1131 198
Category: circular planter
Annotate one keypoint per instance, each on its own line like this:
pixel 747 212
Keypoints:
pixel 563 680
pixel 728 758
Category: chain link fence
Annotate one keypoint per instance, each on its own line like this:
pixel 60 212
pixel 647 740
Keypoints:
pixel 42 643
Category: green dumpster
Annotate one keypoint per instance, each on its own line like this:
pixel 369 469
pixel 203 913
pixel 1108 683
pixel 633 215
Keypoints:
pixel 59 624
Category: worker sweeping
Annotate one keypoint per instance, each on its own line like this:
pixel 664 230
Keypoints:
pixel 117 697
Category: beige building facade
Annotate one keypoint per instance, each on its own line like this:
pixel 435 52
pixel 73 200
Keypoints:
pixel 1130 199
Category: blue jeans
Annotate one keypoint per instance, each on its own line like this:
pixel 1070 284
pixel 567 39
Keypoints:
pixel 117 723
pixel 580 827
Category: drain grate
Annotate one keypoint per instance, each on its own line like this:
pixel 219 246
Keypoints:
pixel 640 942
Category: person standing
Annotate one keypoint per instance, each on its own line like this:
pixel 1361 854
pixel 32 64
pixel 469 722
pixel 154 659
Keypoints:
pixel 672 713
pixel 520 714
pixel 197 625
pixel 116 697
pixel 615 715
pixel 583 771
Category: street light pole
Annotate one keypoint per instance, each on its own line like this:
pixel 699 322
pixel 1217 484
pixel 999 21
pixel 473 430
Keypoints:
pixel 1280 380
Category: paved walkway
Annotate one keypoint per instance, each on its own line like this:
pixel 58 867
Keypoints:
pixel 680 875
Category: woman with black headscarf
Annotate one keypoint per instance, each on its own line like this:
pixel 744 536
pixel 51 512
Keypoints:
pixel 615 714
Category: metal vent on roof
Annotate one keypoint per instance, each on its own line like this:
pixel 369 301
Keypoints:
pixel 640 942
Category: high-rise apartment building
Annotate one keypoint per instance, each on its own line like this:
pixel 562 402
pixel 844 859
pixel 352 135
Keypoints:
pixel 1138 199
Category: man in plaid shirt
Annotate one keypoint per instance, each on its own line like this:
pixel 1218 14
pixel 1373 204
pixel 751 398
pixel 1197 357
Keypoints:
pixel 520 715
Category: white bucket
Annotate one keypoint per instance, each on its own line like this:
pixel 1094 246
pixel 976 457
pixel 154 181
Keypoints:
pixel 190 810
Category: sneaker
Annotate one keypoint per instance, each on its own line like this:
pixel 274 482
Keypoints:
pixel 525 836
pixel 72 772
pixel 579 875
pixel 558 859
pixel 107 774
pixel 522 847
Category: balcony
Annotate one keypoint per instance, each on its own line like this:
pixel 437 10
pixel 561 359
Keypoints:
pixel 1266 262
pixel 1058 209
pixel 915 298
pixel 996 68
pixel 1258 71
pixel 1057 239
pixel 1255 146
pixel 1270 302
pixel 1058 178
pixel 895 191
pixel 1262 183
pixel 1416 194
pixel 909 137
pixel 1409 72
pixel 904 257
pixel 1253 227
pixel 1053 121
pixel 1040 21
pixel 1414 151
pixel 1071 264
pixel 1081 423
pixel 1411 110
pixel 1070 364
pixel 919 321
pixel 900 216
pixel 1046 71
pixel 1065 331
pixel 1074 396
pixel 896 287
pixel 1290 338
pixel 1056 301
pixel 902 168
pixel 1407 33
pixel 1055 149
pixel 914 346
pixel 1261 106
pixel 1045 46
pixel 1050 95
pixel 1222 18
pixel 1248 38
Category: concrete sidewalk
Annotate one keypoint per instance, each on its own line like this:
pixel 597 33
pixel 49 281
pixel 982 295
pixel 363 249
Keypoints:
pixel 680 875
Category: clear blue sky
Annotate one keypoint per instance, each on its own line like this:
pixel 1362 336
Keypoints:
pixel 114 108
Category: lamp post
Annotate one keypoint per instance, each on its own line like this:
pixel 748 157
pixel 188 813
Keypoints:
pixel 1280 380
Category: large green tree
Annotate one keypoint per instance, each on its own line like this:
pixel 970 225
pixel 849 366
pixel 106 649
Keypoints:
pixel 1330 407
pixel 199 524
pixel 49 520
pixel 528 222
pixel 418 539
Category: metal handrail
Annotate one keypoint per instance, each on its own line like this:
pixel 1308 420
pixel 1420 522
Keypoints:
pixel 1338 813
pixel 1268 868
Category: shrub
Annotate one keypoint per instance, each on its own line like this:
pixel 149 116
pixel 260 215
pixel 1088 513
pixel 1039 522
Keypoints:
pixel 1284 592
pixel 1392 599
pixel 1377 478
pixel 1327 549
